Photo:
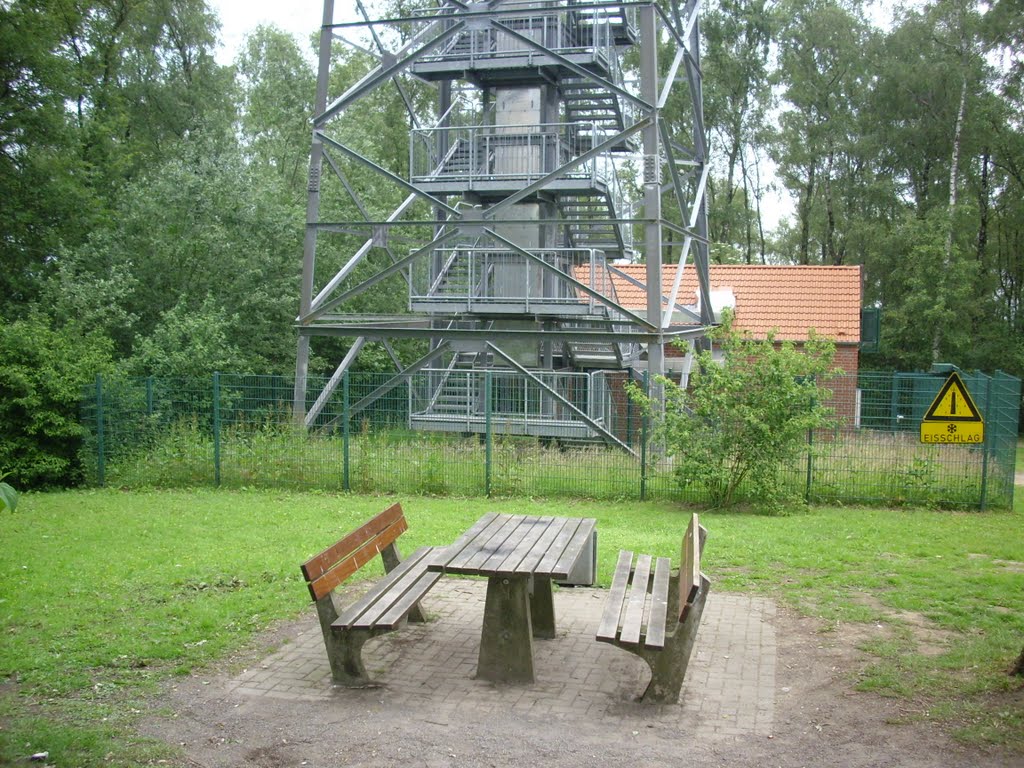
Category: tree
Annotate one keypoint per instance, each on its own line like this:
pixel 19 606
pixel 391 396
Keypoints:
pixel 824 71
pixel 91 92
pixel 198 228
pixel 737 96
pixel 276 86
pixel 741 422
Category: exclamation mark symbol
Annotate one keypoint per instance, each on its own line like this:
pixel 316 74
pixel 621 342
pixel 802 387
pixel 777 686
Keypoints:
pixel 952 405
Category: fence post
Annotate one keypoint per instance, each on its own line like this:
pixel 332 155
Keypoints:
pixel 810 459
pixel 985 443
pixel 216 428
pixel 346 429
pixel 488 436
pixel 100 459
pixel 629 409
pixel 643 443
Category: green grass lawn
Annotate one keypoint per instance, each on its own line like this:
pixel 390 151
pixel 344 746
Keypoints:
pixel 105 593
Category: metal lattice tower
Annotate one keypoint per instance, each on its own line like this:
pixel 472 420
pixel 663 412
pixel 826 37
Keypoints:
pixel 544 161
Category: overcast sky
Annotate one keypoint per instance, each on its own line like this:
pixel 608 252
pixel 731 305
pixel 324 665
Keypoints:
pixel 240 17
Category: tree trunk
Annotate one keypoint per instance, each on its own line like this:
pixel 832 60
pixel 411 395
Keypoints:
pixel 762 247
pixel 804 212
pixel 954 179
pixel 983 205
pixel 748 253
pixel 830 235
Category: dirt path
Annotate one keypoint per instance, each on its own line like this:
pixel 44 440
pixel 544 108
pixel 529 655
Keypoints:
pixel 765 689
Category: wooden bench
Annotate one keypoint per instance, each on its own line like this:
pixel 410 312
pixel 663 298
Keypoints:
pixel 383 608
pixel 661 628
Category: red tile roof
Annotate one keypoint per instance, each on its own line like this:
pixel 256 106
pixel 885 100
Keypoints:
pixel 789 299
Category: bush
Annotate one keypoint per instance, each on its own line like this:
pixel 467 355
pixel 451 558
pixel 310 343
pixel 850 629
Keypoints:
pixel 744 420
pixel 42 375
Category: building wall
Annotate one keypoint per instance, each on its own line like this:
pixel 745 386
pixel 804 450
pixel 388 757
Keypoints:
pixel 844 388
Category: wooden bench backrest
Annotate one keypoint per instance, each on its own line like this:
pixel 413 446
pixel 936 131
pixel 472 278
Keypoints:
pixel 336 563
pixel 689 564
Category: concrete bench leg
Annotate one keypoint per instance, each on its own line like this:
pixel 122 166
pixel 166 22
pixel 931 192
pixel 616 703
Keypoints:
pixel 542 608
pixel 506 641
pixel 345 653
pixel 668 666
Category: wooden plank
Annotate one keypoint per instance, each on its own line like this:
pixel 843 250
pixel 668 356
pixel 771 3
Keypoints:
pixel 689 566
pixel 550 560
pixel 633 615
pixel 532 560
pixel 454 550
pixel 508 547
pixel 574 549
pixel 609 626
pixel 425 580
pixel 658 618
pixel 387 593
pixel 318 565
pixel 533 529
pixel 352 612
pixel 484 545
pixel 345 568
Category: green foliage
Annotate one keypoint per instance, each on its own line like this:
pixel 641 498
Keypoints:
pixel 8 496
pixel 277 86
pixel 90 93
pixel 743 421
pixel 203 242
pixel 42 374
pixel 190 343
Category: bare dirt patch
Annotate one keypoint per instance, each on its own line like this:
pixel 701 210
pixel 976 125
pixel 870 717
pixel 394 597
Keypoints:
pixel 930 639
pixel 819 720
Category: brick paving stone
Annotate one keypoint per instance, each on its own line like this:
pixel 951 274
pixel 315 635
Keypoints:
pixel 729 689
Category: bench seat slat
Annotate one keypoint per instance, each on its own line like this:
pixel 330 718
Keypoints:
pixel 372 617
pixel 609 625
pixel 633 616
pixel 655 637
pixel 420 587
pixel 352 612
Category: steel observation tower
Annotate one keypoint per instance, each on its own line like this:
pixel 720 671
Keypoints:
pixel 540 159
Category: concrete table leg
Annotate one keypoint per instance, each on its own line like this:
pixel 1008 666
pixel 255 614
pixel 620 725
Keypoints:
pixel 506 642
pixel 542 608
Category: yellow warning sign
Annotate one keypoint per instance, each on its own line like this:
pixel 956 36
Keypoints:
pixel 953 417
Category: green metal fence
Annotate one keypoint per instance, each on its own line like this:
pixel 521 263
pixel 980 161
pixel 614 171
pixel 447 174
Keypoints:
pixel 458 432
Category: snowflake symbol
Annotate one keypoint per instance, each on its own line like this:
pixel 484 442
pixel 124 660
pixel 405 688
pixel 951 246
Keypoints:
pixel 951 428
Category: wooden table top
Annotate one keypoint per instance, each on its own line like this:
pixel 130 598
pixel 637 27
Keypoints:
pixel 518 545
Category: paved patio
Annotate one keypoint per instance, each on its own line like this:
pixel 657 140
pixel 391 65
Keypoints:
pixel 729 689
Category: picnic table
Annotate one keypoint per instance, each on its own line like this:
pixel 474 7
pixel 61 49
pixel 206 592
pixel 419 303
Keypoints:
pixel 520 555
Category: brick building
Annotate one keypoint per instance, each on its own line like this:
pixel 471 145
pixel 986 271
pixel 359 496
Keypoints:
pixel 791 300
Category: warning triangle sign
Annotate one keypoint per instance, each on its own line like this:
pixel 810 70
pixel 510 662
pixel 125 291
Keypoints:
pixel 953 403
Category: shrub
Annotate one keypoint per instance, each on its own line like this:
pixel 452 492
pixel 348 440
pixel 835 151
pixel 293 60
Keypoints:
pixel 42 374
pixel 744 420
